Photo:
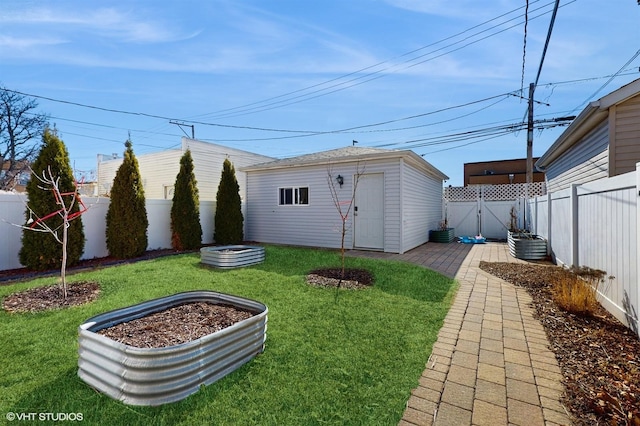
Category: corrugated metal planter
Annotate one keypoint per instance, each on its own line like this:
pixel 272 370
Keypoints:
pixel 154 376
pixel 234 256
pixel 442 235
pixel 526 246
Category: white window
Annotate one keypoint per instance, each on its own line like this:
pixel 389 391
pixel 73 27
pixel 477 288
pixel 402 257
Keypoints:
pixel 293 196
pixel 168 192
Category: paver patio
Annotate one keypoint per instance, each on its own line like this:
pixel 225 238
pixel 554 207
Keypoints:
pixel 491 364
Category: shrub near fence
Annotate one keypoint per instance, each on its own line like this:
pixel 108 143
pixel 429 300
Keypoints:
pixel 12 207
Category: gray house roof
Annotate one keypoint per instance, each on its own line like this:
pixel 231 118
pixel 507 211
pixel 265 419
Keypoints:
pixel 595 113
pixel 349 154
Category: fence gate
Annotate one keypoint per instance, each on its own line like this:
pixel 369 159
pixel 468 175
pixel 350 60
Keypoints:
pixel 487 209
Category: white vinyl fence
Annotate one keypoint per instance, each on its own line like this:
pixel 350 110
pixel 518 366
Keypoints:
pixel 12 211
pixel 486 209
pixel 596 224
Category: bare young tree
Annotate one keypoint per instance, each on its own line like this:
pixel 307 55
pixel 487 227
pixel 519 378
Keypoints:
pixel 20 129
pixel 343 205
pixel 66 201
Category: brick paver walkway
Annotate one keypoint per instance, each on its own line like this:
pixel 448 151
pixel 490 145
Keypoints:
pixel 491 364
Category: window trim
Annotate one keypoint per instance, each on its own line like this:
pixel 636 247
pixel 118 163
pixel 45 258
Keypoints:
pixel 295 196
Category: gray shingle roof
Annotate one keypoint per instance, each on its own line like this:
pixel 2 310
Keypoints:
pixel 325 156
pixel 347 154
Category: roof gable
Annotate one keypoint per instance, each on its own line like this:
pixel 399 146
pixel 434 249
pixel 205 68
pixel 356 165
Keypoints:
pixel 348 154
pixel 590 117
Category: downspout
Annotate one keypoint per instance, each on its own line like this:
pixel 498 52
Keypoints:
pixel 402 219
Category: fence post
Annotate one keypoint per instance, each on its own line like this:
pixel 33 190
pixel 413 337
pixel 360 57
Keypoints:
pixel 549 212
pixel 631 314
pixel 535 215
pixel 574 226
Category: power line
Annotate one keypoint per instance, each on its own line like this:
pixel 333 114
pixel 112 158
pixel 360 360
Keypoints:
pixel 227 110
pixel 608 81
pixel 546 43
pixel 107 126
pixel 524 46
pixel 303 132
pixel 488 131
pixel 410 63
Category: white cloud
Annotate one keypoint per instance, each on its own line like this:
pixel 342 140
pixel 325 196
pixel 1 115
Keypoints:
pixel 9 42
pixel 106 22
pixel 459 9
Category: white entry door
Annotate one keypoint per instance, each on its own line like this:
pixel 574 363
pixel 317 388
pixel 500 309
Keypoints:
pixel 369 212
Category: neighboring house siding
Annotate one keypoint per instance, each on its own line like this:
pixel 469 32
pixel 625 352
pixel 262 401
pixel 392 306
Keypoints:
pixel 317 224
pixel 159 170
pixel 155 170
pixel 587 161
pixel 421 208
pixel 626 151
pixel 207 165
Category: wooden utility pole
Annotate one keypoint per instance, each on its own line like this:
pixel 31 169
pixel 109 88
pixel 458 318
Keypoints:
pixel 530 136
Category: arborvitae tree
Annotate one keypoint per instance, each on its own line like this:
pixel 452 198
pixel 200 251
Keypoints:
pixel 228 220
pixel 40 250
pixel 186 231
pixel 127 214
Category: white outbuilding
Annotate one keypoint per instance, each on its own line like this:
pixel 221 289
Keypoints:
pixel 389 199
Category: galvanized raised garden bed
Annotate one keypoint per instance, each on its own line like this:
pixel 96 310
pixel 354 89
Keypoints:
pixel 154 376
pixel 523 245
pixel 232 256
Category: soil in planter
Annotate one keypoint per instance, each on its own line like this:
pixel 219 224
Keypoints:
pixel 176 325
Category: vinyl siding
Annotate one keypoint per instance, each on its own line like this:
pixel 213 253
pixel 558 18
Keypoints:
pixel 156 170
pixel 586 161
pixel 392 203
pixel 317 224
pixel 626 152
pixel 207 165
pixel 159 170
pixel 421 206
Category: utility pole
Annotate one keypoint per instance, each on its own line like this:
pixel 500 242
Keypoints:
pixel 193 130
pixel 530 136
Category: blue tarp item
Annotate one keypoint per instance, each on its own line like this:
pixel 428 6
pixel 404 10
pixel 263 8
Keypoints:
pixel 473 240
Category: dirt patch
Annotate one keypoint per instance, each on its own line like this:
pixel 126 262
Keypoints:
pixel 598 356
pixel 353 279
pixel 176 325
pixel 51 297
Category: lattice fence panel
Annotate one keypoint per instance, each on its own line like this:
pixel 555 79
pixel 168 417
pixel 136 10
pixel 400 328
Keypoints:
pixel 461 193
pixel 504 192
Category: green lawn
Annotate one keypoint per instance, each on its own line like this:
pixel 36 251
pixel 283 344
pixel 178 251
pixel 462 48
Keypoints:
pixel 331 356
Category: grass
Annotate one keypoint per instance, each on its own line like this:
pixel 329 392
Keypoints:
pixel 331 356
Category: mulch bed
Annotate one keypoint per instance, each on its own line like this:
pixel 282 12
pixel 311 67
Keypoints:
pixel 598 356
pixel 51 297
pixel 9 276
pixel 353 279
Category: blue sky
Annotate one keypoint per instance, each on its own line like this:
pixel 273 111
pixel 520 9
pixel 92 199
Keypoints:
pixel 290 77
